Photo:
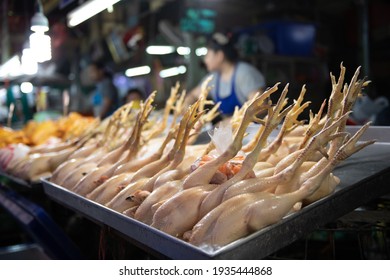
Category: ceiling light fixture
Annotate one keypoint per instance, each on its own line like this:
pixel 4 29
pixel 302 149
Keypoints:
pixel 39 23
pixel 88 10
pixel 174 71
pixel 26 87
pixel 29 62
pixel 186 51
pixel 40 43
pixel 183 50
pixel 110 9
pixel 201 51
pixel 11 68
pixel 160 50
pixel 137 71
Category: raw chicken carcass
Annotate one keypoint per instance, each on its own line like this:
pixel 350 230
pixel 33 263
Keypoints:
pixel 250 212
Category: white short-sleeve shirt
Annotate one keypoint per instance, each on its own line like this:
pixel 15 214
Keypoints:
pixel 247 80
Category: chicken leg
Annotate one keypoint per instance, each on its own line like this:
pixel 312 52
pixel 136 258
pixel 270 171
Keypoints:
pixel 249 212
pixel 105 170
pixel 204 173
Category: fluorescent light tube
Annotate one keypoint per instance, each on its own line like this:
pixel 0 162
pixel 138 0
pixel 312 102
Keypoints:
pixel 183 50
pixel 173 71
pixel 160 50
pixel 137 71
pixel 11 68
pixel 186 51
pixel 201 51
pixel 88 10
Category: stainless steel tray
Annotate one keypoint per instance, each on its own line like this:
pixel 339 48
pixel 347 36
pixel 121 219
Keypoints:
pixel 380 133
pixel 364 176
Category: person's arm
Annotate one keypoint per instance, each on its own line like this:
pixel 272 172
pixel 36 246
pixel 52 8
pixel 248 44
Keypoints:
pixel 108 92
pixel 194 94
pixel 106 105
pixel 250 82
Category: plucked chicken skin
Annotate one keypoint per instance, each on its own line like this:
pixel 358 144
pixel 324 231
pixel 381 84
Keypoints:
pixel 215 193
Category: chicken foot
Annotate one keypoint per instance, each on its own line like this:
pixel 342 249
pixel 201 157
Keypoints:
pixel 203 174
pixel 250 212
pixel 95 178
pixel 284 175
pixel 125 199
pixel 275 115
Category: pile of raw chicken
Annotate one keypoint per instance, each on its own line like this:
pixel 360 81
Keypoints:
pixel 210 194
pixel 38 137
pixel 37 133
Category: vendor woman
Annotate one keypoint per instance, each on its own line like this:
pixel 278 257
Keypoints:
pixel 233 82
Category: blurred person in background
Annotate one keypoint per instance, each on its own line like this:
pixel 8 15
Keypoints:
pixel 135 95
pixel 233 82
pixel 106 97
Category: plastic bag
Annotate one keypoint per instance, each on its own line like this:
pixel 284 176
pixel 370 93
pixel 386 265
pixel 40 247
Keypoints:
pixel 222 137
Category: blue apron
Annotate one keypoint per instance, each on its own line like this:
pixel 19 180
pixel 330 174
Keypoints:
pixel 229 103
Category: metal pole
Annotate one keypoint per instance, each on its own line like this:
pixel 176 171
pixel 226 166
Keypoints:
pixel 5 42
pixel 365 43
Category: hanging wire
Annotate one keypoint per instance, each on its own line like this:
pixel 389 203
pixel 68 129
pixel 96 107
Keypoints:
pixel 39 9
pixel 26 18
